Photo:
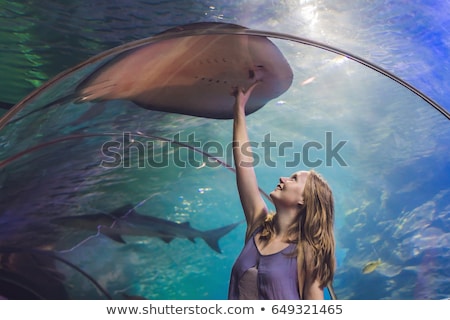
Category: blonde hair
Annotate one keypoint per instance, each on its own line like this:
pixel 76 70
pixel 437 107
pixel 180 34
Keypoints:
pixel 313 232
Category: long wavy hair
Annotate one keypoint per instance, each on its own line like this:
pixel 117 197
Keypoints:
pixel 313 232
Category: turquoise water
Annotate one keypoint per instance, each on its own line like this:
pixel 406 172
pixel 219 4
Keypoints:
pixel 391 190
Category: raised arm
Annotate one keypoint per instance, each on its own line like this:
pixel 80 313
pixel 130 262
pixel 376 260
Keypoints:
pixel 255 209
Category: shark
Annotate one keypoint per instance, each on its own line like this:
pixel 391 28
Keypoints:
pixel 125 221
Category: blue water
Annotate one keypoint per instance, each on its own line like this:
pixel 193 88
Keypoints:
pixel 391 191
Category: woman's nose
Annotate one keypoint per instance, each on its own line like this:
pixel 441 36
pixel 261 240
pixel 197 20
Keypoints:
pixel 283 179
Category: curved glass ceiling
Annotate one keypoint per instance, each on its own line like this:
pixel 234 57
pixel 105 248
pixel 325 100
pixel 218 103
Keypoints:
pixel 382 147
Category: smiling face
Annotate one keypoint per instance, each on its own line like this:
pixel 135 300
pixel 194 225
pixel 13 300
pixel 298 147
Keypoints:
pixel 289 192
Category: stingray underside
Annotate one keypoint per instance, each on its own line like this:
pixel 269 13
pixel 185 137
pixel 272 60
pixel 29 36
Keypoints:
pixel 193 75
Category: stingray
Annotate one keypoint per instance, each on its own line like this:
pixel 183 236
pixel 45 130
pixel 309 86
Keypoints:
pixel 193 75
pixel 191 70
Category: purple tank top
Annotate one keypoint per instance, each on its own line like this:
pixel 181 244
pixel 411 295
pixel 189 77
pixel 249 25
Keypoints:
pixel 277 277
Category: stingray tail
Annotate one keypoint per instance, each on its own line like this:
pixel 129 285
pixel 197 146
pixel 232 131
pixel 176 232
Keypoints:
pixel 212 237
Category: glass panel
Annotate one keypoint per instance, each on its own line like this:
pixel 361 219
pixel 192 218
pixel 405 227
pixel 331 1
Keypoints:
pixel 383 149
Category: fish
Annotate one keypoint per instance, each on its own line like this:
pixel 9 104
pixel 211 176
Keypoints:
pixel 371 266
pixel 125 221
pixel 190 70
pixel 193 74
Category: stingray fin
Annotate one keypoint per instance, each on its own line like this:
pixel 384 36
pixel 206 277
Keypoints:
pixel 96 91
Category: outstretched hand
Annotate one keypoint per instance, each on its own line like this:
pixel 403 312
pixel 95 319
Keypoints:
pixel 242 95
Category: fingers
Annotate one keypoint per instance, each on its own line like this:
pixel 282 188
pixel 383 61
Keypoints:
pixel 235 90
pixel 253 86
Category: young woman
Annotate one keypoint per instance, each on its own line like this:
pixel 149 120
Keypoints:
pixel 288 254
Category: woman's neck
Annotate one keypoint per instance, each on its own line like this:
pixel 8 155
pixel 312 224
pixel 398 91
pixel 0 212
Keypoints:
pixel 283 221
